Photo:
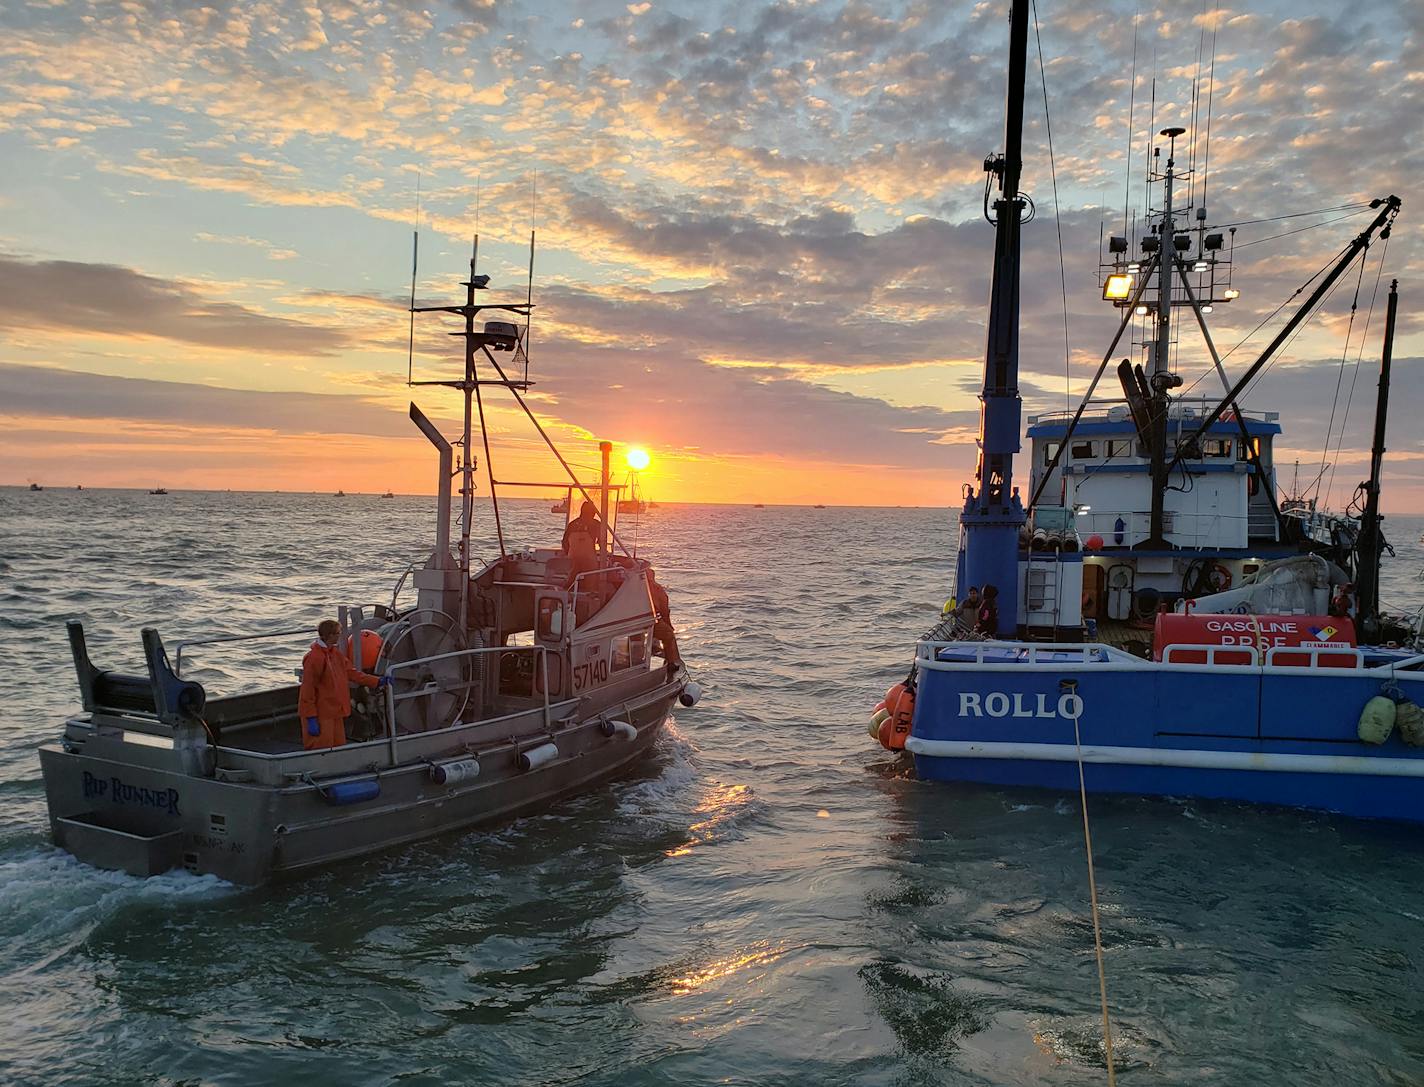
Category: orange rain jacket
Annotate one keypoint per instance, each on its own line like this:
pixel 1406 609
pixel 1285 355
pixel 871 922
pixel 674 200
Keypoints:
pixel 327 675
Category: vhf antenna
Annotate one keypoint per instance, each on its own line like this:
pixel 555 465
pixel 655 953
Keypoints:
pixel 529 298
pixel 529 305
pixel 414 264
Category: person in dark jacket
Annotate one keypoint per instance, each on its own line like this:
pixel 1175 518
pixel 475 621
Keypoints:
pixel 662 623
pixel 580 544
pixel 988 621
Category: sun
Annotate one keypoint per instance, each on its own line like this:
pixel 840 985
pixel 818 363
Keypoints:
pixel 638 459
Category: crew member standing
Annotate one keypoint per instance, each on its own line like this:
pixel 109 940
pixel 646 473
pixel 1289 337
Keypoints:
pixel 325 699
pixel 662 624
pixel 988 622
pixel 581 543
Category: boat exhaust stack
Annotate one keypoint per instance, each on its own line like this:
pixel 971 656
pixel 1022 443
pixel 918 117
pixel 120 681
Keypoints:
pixel 442 502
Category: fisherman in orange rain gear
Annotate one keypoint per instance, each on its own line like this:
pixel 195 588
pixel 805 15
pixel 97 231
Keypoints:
pixel 662 624
pixel 325 699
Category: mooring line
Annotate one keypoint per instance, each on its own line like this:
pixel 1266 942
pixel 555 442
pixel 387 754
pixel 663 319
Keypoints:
pixel 1070 686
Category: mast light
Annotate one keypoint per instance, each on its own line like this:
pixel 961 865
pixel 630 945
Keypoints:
pixel 1142 311
pixel 1231 294
pixel 1117 287
pixel 1207 308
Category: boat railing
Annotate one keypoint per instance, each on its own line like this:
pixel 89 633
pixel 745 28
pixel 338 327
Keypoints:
pixel 1314 655
pixel 991 653
pixel 392 697
pixel 575 589
pixel 1213 652
pixel 220 639
pixel 1183 408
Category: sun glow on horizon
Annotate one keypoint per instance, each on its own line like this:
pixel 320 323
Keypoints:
pixel 638 458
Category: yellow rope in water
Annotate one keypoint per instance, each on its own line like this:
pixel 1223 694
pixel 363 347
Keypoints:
pixel 1072 687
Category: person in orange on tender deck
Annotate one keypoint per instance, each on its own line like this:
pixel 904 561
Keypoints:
pixel 325 699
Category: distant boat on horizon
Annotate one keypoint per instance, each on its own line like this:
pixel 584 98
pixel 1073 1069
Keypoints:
pixel 79 486
pixel 158 490
pixel 339 494
pixel 818 507
pixel 758 506
pixel 389 494
pixel 36 487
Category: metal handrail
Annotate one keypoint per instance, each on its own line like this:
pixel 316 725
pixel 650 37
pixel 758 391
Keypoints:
pixel 178 650
pixel 393 668
pixel 1211 652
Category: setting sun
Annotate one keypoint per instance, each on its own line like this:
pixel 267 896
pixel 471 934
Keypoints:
pixel 638 459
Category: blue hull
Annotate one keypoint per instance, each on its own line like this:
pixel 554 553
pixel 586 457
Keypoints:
pixel 1256 733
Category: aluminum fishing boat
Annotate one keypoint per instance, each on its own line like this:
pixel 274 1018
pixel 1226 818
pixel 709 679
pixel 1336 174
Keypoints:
pixel 513 684
pixel 1163 622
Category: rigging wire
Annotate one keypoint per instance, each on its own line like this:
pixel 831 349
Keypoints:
pixel 1057 218
pixel 1291 215
pixel 1340 373
pixel 1359 356
pixel 1300 229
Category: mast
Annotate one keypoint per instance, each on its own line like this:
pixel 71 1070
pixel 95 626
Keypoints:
pixel 1371 541
pixel 1162 379
pixel 991 518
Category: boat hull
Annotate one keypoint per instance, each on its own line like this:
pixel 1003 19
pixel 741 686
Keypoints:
pixel 1256 733
pixel 124 809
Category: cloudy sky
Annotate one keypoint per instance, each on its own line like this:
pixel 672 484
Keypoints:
pixel 760 247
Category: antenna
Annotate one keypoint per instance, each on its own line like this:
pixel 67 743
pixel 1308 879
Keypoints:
pixel 414 264
pixel 529 305
pixel 1210 87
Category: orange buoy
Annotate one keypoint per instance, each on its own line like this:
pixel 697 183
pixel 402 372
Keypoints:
pixel 371 645
pixel 902 715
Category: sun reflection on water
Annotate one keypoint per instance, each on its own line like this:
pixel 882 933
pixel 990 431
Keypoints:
pixel 722 806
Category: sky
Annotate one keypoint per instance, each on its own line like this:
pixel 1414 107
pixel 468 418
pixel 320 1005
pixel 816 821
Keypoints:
pixel 760 247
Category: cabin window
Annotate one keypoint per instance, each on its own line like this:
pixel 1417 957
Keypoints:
pixel 1118 447
pixel 1085 450
pixel 1218 447
pixel 638 649
pixel 551 618
pixel 622 657
pixel 1050 450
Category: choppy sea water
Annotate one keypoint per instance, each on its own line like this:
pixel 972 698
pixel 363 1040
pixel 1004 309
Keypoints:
pixel 767 900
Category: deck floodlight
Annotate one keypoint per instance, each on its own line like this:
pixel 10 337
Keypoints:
pixel 1231 294
pixel 1212 241
pixel 1200 266
pixel 1142 311
pixel 1149 244
pixel 1134 267
pixel 1117 287
pixel 1116 244
pixel 1207 308
pixel 1183 242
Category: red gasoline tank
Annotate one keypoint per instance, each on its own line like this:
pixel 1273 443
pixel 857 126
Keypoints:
pixel 1262 632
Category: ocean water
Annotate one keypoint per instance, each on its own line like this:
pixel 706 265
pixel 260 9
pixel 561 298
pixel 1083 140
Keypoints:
pixel 769 899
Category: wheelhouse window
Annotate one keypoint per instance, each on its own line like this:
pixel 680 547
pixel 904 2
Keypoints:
pixel 629 652
pixel 1050 450
pixel 1084 450
pixel 1118 447
pixel 1219 447
pixel 551 618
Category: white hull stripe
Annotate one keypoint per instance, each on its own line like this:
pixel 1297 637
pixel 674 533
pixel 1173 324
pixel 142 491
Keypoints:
pixel 1171 756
